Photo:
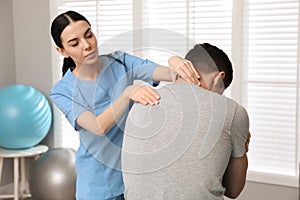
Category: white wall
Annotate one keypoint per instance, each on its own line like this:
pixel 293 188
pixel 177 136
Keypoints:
pixel 32 42
pixel 7 65
pixel 25 58
pixel 25 55
pixel 7 59
pixel 259 191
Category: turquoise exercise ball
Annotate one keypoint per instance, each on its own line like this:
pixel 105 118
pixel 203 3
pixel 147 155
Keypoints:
pixel 25 117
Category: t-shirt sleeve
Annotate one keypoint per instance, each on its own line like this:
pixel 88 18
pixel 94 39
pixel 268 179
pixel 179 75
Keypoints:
pixel 68 105
pixel 239 131
pixel 139 69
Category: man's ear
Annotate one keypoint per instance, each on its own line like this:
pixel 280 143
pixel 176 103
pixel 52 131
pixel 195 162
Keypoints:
pixel 219 78
pixel 218 85
pixel 222 74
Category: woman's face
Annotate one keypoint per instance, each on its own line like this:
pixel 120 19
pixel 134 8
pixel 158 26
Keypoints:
pixel 79 43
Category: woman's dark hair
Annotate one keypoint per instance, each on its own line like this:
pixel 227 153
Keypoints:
pixel 57 27
pixel 208 58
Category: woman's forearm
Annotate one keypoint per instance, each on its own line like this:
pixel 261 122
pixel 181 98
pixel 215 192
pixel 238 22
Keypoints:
pixel 102 123
pixel 162 73
pixel 109 117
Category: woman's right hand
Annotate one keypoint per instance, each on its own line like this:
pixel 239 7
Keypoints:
pixel 143 94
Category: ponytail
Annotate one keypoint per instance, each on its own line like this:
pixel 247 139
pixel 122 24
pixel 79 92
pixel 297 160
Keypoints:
pixel 68 64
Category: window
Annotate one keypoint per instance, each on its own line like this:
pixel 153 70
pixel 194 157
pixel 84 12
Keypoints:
pixel 261 37
pixel 167 22
pixel 272 85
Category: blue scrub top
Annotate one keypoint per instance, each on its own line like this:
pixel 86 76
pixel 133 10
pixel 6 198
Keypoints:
pixel 98 159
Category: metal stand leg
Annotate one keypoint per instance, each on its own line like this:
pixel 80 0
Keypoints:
pixel 16 178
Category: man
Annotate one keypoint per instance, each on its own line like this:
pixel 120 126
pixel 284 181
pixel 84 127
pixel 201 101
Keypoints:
pixel 192 145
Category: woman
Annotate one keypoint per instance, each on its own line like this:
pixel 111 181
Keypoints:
pixel 95 94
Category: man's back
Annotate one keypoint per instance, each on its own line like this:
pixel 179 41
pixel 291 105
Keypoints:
pixel 180 149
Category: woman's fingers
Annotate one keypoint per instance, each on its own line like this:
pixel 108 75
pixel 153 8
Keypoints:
pixel 185 69
pixel 186 72
pixel 145 95
pixel 195 74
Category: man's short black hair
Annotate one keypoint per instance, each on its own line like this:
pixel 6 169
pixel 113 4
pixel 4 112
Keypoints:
pixel 207 58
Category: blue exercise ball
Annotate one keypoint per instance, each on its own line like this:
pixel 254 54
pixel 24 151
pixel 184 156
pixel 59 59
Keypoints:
pixel 25 117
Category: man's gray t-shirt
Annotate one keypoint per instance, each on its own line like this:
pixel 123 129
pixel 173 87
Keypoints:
pixel 180 148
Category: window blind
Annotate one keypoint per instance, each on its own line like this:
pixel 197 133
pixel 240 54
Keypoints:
pixel 186 23
pixel 210 21
pixel 166 22
pixel 114 25
pixel 272 84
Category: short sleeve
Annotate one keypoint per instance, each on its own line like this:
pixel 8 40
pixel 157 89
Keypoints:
pixel 239 131
pixel 139 69
pixel 68 105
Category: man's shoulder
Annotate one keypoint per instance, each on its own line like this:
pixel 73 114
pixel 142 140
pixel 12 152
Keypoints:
pixel 238 107
pixel 182 89
pixel 239 115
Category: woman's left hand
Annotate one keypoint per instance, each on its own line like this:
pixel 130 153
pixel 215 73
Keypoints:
pixel 185 69
pixel 143 94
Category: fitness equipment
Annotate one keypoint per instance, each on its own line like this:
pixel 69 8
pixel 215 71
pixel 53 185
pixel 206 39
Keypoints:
pixel 53 176
pixel 25 117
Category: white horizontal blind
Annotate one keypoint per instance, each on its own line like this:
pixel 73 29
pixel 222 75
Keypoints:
pixel 272 84
pixel 115 25
pixel 187 22
pixel 210 21
pixel 165 22
pixel 194 22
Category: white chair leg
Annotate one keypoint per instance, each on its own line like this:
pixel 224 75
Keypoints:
pixel 16 178
pixel 1 168
pixel 23 177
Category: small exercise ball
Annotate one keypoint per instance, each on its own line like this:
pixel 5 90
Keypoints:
pixel 53 175
pixel 25 117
